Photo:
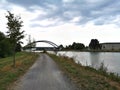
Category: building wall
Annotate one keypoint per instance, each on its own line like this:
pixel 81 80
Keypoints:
pixel 111 46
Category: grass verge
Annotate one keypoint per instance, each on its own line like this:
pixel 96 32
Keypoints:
pixel 85 77
pixel 8 74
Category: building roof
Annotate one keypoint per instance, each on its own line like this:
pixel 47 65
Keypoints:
pixel 111 43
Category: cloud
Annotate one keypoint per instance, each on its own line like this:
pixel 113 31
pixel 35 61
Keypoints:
pixel 99 11
pixel 58 20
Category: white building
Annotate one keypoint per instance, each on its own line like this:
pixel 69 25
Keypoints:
pixel 110 46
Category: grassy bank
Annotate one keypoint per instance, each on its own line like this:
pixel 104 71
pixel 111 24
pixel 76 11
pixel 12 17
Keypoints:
pixel 8 74
pixel 85 77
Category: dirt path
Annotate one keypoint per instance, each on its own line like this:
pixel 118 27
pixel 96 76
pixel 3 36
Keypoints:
pixel 44 75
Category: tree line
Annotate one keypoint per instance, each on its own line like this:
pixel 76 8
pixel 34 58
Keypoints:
pixel 74 46
pixel 93 45
pixel 6 46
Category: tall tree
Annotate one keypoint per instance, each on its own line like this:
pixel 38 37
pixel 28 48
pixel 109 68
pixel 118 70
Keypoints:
pixel 5 46
pixel 14 25
pixel 2 36
pixel 18 47
pixel 34 44
pixel 76 46
pixel 30 43
pixel 94 44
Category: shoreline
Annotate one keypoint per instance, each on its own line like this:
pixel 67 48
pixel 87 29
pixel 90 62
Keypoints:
pixel 85 77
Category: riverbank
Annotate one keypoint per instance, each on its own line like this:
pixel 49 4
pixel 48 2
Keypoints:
pixel 8 74
pixel 86 77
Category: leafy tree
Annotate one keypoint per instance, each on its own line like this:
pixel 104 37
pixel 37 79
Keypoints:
pixel 14 25
pixel 34 44
pixel 94 44
pixel 30 43
pixel 5 46
pixel 61 47
pixel 2 36
pixel 76 46
pixel 18 47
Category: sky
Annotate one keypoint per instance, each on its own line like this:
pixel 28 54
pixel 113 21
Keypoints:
pixel 65 21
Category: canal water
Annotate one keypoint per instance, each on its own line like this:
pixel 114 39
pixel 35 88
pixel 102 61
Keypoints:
pixel 111 60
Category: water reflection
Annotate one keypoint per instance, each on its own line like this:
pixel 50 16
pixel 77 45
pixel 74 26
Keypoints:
pixel 111 60
pixel 95 59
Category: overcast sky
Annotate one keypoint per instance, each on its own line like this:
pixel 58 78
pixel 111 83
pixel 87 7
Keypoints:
pixel 66 21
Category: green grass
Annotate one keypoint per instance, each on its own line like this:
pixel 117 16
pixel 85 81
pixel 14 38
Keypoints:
pixel 8 74
pixel 86 77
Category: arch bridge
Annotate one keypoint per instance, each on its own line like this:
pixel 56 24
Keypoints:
pixel 54 48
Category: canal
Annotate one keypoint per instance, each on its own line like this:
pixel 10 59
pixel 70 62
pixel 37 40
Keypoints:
pixel 111 60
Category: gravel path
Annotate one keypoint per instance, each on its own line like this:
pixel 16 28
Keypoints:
pixel 44 75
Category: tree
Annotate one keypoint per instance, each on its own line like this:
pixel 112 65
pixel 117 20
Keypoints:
pixel 31 43
pixel 75 46
pixel 18 47
pixel 94 44
pixel 2 36
pixel 61 47
pixel 34 44
pixel 5 46
pixel 14 25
